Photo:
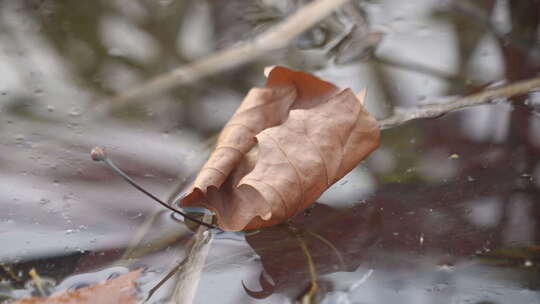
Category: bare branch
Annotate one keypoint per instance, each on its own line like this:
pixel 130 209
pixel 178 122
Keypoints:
pixel 276 37
pixel 484 97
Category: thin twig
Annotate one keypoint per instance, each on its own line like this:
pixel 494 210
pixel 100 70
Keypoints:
pixel 484 97
pixel 136 247
pixel 309 296
pixel 190 268
pixel 189 273
pixel 11 274
pixel 98 154
pixel 167 277
pixel 329 244
pixel 37 282
pixel 276 37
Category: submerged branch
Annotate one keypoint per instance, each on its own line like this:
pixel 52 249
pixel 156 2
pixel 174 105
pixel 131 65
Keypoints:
pixel 276 37
pixel 309 296
pixel 188 271
pixel 189 274
pixel 484 97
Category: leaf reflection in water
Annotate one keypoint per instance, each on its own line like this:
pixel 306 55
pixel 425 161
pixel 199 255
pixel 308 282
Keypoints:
pixel 336 240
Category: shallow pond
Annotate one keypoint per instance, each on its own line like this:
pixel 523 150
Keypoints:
pixel 445 211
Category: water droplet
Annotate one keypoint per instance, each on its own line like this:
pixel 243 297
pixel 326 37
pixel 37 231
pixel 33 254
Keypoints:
pixel 136 216
pixel 454 156
pixel 446 267
pixel 253 258
pixel 82 227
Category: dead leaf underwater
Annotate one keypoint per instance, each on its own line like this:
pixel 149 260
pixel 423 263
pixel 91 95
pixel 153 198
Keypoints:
pixel 120 290
pixel 284 146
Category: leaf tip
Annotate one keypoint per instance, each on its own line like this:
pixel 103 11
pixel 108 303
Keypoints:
pixel 268 69
pixel 362 96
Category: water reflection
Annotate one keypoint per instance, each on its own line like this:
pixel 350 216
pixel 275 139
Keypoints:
pixel 446 211
pixel 428 238
pixel 336 241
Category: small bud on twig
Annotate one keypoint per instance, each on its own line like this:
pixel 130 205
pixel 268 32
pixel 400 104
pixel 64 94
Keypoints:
pixel 98 154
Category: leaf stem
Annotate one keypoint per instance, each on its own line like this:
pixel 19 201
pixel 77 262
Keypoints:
pixel 98 154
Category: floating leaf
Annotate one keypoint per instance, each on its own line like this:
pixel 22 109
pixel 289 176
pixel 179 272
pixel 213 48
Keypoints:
pixel 286 144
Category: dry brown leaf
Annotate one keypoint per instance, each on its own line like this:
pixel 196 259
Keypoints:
pixel 285 145
pixel 120 290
